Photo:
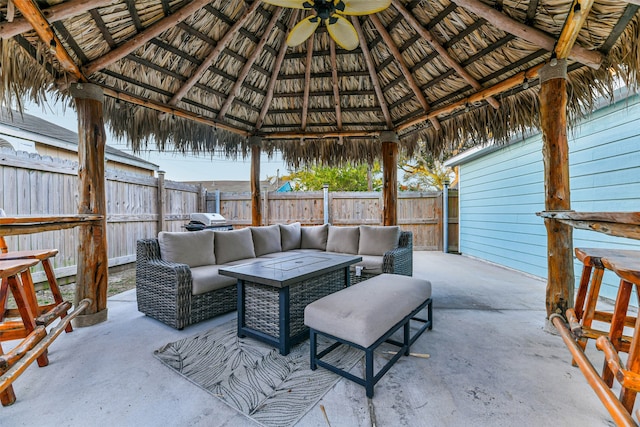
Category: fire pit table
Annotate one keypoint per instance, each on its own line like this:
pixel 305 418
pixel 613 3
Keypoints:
pixel 272 294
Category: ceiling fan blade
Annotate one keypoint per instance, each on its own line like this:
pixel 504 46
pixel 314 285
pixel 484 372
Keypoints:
pixel 293 4
pixel 361 7
pixel 341 30
pixel 303 30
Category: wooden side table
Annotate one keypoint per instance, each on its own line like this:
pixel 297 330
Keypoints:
pixel 44 256
pixel 9 330
pixel 589 291
pixel 628 269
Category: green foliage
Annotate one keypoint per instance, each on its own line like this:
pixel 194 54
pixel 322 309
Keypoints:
pixel 347 178
pixel 425 173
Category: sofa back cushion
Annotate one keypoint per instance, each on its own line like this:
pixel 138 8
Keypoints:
pixel 376 240
pixel 343 240
pixel 266 240
pixel 234 245
pixel 194 248
pixel 314 237
pixel 290 236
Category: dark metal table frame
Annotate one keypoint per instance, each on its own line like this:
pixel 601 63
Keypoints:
pixel 272 294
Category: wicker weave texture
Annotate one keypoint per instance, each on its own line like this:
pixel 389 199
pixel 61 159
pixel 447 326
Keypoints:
pixel 262 302
pixel 164 290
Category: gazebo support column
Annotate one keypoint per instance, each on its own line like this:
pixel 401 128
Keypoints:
pixel 389 141
pixel 256 201
pixel 92 274
pixel 555 152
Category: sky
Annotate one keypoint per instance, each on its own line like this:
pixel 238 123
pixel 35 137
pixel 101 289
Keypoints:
pixel 177 166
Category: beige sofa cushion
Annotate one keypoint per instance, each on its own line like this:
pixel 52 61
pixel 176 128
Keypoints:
pixel 234 245
pixel 290 236
pixel 371 264
pixel 266 240
pixel 314 237
pixel 343 240
pixel 376 240
pixel 362 313
pixel 206 279
pixel 194 248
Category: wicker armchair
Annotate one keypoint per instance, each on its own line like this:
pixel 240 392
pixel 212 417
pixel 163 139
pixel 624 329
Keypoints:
pixel 164 290
pixel 395 261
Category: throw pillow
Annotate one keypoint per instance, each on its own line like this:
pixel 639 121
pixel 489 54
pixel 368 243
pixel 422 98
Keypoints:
pixel 234 245
pixel 343 240
pixel 290 236
pixel 266 240
pixel 376 240
pixel 194 248
pixel 314 237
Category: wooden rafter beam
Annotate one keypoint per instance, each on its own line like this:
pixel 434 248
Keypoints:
pixel 141 38
pixel 320 135
pixel 213 55
pixel 575 20
pixel 307 83
pixel 444 54
pixel 496 89
pixel 52 14
pixel 334 84
pixel 274 75
pixel 36 19
pixel 372 72
pixel 242 75
pixel 587 57
pixel 403 67
pixel 164 108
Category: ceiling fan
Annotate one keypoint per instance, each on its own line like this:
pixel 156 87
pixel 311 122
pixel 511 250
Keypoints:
pixel 330 12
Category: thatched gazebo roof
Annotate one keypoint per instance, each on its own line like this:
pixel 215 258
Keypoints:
pixel 205 76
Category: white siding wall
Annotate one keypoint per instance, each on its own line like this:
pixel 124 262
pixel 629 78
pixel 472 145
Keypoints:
pixel 501 192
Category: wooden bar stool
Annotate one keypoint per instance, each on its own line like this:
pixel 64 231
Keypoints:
pixel 10 270
pixel 628 269
pixel 44 256
pixel 589 290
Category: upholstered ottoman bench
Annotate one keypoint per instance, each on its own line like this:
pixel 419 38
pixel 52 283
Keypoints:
pixel 364 316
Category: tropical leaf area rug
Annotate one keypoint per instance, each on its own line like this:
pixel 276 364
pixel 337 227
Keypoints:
pixel 253 377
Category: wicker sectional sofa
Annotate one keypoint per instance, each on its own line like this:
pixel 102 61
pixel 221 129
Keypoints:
pixel 177 280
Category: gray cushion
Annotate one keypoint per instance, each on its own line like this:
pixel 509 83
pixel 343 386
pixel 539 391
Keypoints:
pixel 234 245
pixel 362 313
pixel 194 248
pixel 206 279
pixel 266 240
pixel 376 240
pixel 314 237
pixel 371 264
pixel 343 240
pixel 290 236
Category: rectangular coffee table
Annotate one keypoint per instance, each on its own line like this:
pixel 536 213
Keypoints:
pixel 272 294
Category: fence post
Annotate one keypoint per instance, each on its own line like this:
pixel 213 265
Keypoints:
pixel 266 206
pixel 161 202
pixel 445 217
pixel 325 194
pixel 202 198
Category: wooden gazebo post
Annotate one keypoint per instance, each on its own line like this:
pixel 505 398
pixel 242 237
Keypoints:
pixel 92 274
pixel 555 152
pixel 389 141
pixel 256 203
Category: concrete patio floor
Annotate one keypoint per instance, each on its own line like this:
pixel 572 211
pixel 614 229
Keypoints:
pixel 491 364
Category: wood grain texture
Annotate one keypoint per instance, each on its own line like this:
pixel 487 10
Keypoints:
pixel 555 153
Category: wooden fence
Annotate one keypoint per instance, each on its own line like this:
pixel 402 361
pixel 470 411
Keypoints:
pixel 139 206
